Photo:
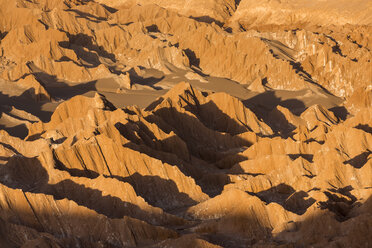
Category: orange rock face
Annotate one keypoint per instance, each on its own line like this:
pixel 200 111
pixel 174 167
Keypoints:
pixel 170 123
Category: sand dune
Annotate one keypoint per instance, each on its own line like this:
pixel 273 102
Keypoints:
pixel 185 123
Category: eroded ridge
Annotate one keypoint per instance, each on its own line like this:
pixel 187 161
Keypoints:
pixel 185 123
pixel 158 175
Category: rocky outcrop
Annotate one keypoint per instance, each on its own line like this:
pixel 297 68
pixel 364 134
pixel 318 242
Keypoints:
pixel 104 144
pixel 136 169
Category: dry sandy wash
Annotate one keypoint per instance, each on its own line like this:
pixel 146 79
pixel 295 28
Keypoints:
pixel 174 123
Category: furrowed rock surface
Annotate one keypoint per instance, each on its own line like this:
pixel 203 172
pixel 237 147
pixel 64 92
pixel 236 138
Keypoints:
pixel 167 123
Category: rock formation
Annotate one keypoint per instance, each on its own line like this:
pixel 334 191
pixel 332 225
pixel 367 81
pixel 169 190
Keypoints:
pixel 170 123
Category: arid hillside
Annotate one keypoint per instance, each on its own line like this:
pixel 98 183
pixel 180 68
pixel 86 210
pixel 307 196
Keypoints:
pixel 169 123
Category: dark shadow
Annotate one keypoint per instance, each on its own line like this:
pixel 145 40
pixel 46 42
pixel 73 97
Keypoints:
pixel 9 147
pixel 35 136
pixel 207 19
pixel 66 91
pixel 336 48
pixel 58 141
pixel 287 197
pixel 228 30
pixel 172 151
pixel 340 112
pixel 19 131
pixel 202 142
pixel 61 90
pixel 154 104
pixel 87 16
pixel 44 24
pixel 229 161
pixel 346 191
pixel 365 127
pixel 340 205
pixel 153 28
pixel 157 191
pixel 149 81
pixel 31 226
pixel 77 42
pixel 91 58
pixel 354 41
pixel 298 68
pixel 251 232
pixel 264 81
pixel 308 157
pixel 293 104
pixel 212 117
pixel 78 229
pixel 265 103
pixel 109 9
pixel 2 35
pixel 30 176
pixel 110 206
pixel 240 171
pixel 24 173
pixel 129 111
pixel 27 103
pixel 84 172
pixel 314 140
pixel 194 61
pixel 279 124
pixel 140 134
pixel 87 229
pixel 197 70
pixel 360 160
pixel 324 229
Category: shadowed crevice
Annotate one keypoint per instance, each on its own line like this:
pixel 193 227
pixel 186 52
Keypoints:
pixel 290 199
pixel 360 160
pixel 308 157
pixel 365 127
